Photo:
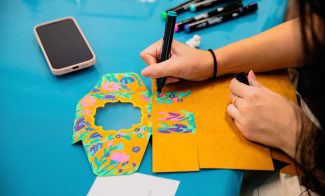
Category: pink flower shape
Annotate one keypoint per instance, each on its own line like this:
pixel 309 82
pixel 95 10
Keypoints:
pixel 87 112
pixel 110 143
pixel 145 98
pixel 120 157
pixel 175 99
pixel 88 101
pixel 110 86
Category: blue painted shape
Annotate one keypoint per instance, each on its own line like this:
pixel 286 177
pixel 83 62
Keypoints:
pixel 37 109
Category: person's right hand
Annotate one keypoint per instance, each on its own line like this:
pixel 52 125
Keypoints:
pixel 185 63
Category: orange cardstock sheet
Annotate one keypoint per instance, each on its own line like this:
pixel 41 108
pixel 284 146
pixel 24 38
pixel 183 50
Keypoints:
pixel 174 138
pixel 215 142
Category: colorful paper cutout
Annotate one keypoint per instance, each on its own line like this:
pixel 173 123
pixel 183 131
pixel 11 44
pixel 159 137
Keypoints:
pixel 181 140
pixel 114 152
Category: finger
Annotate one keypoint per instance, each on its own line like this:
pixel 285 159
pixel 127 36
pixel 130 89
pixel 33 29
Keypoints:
pixel 238 102
pixel 151 53
pixel 163 69
pixel 233 112
pixel 233 98
pixel 148 58
pixel 171 79
pixel 238 125
pixel 239 89
pixel 252 79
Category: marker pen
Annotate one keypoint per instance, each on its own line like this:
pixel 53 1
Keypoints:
pixel 220 10
pixel 241 77
pixel 166 45
pixel 180 8
pixel 250 8
pixel 197 6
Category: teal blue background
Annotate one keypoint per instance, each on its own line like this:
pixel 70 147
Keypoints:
pixel 37 108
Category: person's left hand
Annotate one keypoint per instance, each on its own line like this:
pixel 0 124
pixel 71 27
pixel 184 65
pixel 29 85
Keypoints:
pixel 263 116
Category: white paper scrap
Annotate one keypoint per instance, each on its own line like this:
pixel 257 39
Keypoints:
pixel 136 184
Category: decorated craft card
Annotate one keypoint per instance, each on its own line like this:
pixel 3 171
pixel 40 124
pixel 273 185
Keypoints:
pixel 114 152
pixel 188 120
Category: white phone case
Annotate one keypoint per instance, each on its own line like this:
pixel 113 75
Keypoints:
pixel 70 68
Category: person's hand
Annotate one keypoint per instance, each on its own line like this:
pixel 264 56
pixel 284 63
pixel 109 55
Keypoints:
pixel 263 116
pixel 185 63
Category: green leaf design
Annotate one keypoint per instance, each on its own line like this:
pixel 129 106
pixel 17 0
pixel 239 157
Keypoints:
pixel 97 162
pixel 119 146
pixel 138 78
pixel 126 137
pixel 164 125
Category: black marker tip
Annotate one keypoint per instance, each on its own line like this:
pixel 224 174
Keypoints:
pixel 159 91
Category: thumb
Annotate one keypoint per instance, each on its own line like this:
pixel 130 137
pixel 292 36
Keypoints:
pixel 252 79
pixel 159 70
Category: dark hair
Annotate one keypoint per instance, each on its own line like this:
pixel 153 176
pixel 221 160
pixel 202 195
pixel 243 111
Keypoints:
pixel 311 142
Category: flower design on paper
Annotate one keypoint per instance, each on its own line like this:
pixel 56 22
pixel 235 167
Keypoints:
pixel 88 101
pixel 136 149
pixel 127 80
pixel 119 157
pixel 171 116
pixel 95 90
pixel 109 144
pixel 146 96
pixel 95 148
pixel 95 135
pixel 87 112
pixel 109 97
pixel 113 152
pixel 110 86
pixel 176 128
pixel 80 124
pixel 171 97
pixel 176 122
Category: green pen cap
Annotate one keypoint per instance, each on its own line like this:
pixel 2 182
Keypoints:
pixel 164 15
pixel 171 13
pixel 192 7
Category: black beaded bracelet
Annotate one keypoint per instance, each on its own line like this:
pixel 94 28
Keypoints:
pixel 215 65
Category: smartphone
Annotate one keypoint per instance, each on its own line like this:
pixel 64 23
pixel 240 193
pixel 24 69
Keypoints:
pixel 64 45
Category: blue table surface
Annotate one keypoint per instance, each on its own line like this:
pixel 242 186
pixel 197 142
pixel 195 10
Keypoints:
pixel 37 108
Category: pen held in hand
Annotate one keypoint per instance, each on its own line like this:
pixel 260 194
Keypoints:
pixel 241 77
pixel 166 45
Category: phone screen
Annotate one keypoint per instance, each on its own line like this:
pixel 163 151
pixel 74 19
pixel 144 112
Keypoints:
pixel 63 43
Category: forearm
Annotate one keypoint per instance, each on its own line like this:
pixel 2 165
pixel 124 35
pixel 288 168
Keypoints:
pixel 277 48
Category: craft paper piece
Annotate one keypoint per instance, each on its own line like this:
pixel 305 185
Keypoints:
pixel 219 142
pixel 181 122
pixel 290 167
pixel 174 139
pixel 114 152
pixel 134 184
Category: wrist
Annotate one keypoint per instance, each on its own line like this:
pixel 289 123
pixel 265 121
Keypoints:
pixel 204 65
pixel 209 60
pixel 223 61
pixel 289 145
pixel 215 65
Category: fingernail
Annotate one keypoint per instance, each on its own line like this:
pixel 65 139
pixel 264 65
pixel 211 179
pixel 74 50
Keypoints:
pixel 252 78
pixel 146 71
pixel 251 74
